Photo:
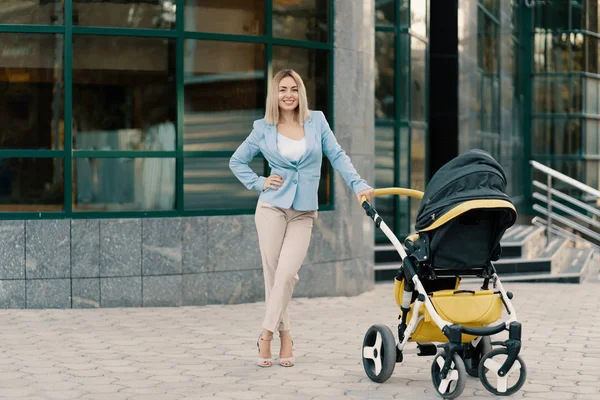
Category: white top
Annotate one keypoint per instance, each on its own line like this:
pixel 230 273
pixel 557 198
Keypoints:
pixel 290 148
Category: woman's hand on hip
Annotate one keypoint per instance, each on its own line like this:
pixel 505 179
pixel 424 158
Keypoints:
pixel 273 182
pixel 368 193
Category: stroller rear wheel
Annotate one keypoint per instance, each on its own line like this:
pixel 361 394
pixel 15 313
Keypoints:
pixel 379 353
pixel 454 383
pixel 501 385
pixel 472 364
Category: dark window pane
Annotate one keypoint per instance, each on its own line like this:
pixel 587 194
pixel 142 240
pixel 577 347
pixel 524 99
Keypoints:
pixel 418 162
pixel 48 12
pixel 31 184
pixel 385 12
pixel 210 185
pixel 405 223
pixel 552 14
pixel 591 46
pixel 418 20
pixel 239 17
pixel 149 14
pixel 488 41
pixel 313 67
pixel 384 75
pixel 224 93
pixel 541 133
pixel 124 94
pixel 418 98
pixel 31 87
pixel 404 12
pixel 577 42
pixel 301 19
pixel 577 14
pixel 405 78
pixel 123 184
pixel 384 174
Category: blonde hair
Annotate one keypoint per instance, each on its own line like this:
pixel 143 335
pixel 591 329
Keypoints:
pixel 272 106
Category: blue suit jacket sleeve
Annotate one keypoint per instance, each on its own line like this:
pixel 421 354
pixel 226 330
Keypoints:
pixel 339 159
pixel 242 156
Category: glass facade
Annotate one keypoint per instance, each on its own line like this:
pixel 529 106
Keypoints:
pixel 566 80
pixel 401 106
pixel 158 94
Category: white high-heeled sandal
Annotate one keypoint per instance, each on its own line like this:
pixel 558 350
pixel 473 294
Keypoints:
pixel 286 361
pixel 260 361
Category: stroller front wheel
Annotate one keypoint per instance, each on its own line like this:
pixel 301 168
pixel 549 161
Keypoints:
pixel 379 353
pixel 453 385
pixel 501 385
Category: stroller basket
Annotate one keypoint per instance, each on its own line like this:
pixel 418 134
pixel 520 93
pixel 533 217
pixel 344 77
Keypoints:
pixel 473 309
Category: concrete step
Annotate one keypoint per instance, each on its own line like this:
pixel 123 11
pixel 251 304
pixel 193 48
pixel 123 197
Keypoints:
pixel 576 270
pixel 550 259
pixel 522 241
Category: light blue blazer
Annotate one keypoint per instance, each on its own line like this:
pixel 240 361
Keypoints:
pixel 301 180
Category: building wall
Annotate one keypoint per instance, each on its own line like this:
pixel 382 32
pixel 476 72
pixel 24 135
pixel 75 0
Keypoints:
pixel 178 261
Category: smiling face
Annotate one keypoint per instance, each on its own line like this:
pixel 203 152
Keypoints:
pixel 288 94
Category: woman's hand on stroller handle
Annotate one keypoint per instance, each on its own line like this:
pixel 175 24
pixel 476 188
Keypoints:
pixel 366 195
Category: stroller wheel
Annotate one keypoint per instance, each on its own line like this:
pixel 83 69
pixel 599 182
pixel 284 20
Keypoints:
pixel 472 364
pixel 501 385
pixel 379 353
pixel 454 383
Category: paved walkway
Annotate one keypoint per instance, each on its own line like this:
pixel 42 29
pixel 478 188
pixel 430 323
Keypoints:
pixel 208 352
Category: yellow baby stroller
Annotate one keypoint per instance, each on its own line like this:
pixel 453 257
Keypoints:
pixel 464 213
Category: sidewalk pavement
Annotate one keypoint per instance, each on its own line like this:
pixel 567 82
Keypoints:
pixel 209 352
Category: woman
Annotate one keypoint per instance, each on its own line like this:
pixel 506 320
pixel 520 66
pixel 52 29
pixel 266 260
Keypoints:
pixel 292 139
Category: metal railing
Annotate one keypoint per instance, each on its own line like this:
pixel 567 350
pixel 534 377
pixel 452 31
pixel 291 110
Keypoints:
pixel 572 215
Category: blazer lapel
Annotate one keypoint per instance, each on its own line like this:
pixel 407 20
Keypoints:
pixel 310 134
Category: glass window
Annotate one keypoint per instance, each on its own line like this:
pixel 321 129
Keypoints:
pixel 384 173
pixel 552 14
pixel 48 12
pixel 31 184
pixel 591 48
pixel 124 93
pixel 313 67
pixel 577 42
pixel 301 19
pixel 591 137
pixel 149 14
pixel 123 184
pixel 385 12
pixel 224 93
pixel 209 185
pixel 239 17
pixel 418 13
pixel 541 135
pixel 591 95
pixel 31 87
pixel 405 76
pixel 418 159
pixel 418 98
pixel 384 75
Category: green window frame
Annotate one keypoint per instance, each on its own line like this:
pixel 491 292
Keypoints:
pixel 68 154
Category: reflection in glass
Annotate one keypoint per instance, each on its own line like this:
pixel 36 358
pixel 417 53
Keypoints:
pixel 124 94
pixel 591 48
pixel 405 76
pixel 123 184
pixel 551 52
pixel 418 97
pixel 149 14
pixel 385 12
pixel 578 45
pixel 46 12
pixel 31 87
pixel 31 184
pixel 488 43
pixel 551 15
pixel 418 159
pixel 301 20
pixel 224 93
pixel 591 137
pixel 404 12
pixel 235 17
pixel 384 174
pixel 384 75
pixel 313 67
pixel 418 20
pixel 208 184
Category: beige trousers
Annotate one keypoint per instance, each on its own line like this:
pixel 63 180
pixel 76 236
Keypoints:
pixel 283 237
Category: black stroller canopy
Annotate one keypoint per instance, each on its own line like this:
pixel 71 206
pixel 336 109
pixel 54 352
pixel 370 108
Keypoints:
pixel 472 175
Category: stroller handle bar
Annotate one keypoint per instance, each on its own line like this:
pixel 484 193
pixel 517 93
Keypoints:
pixel 417 194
